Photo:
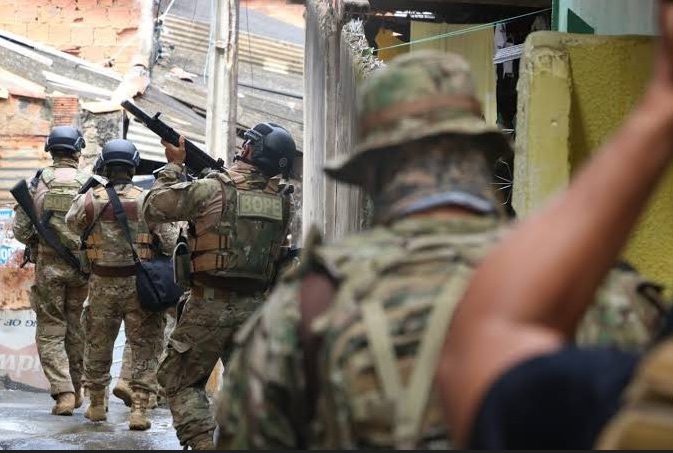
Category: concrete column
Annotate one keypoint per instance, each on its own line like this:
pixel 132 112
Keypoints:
pixel 574 91
pixel 223 82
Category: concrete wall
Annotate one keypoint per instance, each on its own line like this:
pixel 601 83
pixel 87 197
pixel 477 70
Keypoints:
pixel 612 17
pixel 575 91
pixel 100 31
pixel 331 75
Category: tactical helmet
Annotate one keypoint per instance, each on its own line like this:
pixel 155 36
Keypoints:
pixel 273 148
pixel 120 151
pixel 65 138
pixel 418 95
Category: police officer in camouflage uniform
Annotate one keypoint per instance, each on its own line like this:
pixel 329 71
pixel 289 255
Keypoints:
pixel 122 388
pixel 238 221
pixel 112 296
pixel 59 290
pixel 343 353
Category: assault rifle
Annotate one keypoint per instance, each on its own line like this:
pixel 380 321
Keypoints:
pixel 196 161
pixel 22 196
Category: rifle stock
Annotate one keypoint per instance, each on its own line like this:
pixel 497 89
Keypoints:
pixel 196 161
pixel 22 196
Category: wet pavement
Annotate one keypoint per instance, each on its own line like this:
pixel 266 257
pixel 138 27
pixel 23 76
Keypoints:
pixel 26 423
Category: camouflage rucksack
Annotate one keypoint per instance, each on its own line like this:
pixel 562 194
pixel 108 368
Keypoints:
pixel 382 334
pixel 55 189
pixel 397 287
pixel 627 313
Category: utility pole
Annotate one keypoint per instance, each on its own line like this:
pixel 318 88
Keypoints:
pixel 223 81
pixel 222 102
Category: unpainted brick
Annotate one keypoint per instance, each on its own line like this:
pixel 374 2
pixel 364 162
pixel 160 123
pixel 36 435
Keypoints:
pixel 59 35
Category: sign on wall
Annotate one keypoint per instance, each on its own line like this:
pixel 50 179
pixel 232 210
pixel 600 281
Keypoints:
pixel 18 354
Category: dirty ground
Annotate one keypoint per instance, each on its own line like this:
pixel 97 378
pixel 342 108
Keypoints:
pixel 26 423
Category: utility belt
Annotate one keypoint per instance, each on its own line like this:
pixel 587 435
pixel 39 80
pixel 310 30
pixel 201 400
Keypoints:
pixel 51 255
pixel 113 271
pixel 94 250
pixel 223 287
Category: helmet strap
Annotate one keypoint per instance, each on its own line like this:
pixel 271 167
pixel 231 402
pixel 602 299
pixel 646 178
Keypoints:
pixel 238 157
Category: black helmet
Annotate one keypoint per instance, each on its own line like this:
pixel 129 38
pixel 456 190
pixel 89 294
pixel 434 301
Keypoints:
pixel 273 148
pixel 97 168
pixel 120 151
pixel 65 138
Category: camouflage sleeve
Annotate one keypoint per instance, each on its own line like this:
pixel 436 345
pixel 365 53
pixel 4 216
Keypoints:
pixel 22 227
pixel 167 233
pixel 627 314
pixel 75 218
pixel 260 403
pixel 170 199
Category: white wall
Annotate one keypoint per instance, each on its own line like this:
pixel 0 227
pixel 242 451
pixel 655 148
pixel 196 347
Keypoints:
pixel 613 17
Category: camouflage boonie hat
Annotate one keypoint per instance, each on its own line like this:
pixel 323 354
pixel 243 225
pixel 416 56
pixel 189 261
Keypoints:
pixel 418 95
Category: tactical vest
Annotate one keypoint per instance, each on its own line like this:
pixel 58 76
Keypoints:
pixel 383 333
pixel 246 242
pixel 106 245
pixel 55 190
pixel 645 421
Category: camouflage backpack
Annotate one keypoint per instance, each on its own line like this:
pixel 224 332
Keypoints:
pixel 54 194
pixel 627 313
pixel 382 334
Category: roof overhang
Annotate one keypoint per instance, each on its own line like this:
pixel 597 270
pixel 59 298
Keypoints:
pixel 428 5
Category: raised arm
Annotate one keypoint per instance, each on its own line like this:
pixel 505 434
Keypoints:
pixel 532 290
pixel 172 199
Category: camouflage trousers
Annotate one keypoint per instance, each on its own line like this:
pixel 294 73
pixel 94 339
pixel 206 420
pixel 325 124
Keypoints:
pixel 57 297
pixel 202 335
pixel 112 300
pixel 127 359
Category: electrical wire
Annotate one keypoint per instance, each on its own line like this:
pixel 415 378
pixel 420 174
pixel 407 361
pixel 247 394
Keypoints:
pixel 247 26
pixel 465 30
pixel 210 41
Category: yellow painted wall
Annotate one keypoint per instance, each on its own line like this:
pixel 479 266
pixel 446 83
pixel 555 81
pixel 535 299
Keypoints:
pixel 574 91
pixel 477 47
pixel 386 40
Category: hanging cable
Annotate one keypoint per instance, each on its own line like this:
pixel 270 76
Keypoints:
pixel 247 26
pixel 165 13
pixel 210 41
pixel 465 30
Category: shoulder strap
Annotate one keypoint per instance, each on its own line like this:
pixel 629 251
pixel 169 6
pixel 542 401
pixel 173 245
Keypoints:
pixel 36 179
pixel 317 291
pixel 48 175
pixel 121 218
pixel 87 232
pixel 81 178
pixel 410 402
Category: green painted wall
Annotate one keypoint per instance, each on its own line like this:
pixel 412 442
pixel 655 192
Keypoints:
pixel 575 90
pixel 608 17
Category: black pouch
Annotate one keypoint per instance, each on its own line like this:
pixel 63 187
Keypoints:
pixel 155 286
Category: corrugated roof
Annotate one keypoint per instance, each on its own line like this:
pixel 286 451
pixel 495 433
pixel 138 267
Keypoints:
pixel 508 54
pixel 272 55
pixel 270 92
pixel 28 65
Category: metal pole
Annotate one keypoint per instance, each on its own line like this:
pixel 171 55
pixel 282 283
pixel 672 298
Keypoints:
pixel 223 81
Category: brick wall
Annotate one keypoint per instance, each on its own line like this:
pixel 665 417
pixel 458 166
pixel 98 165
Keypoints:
pixel 65 110
pixel 100 31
